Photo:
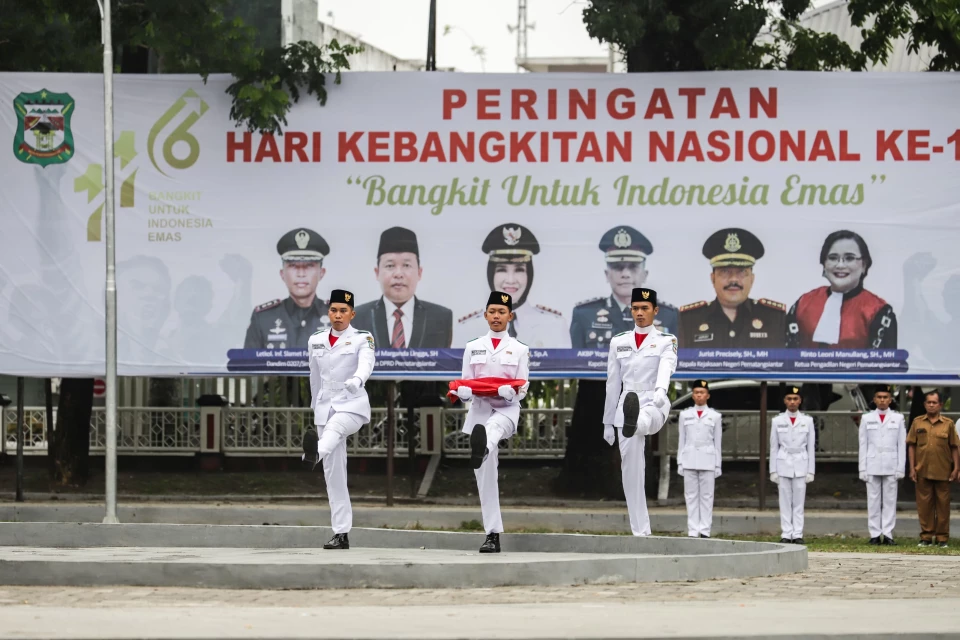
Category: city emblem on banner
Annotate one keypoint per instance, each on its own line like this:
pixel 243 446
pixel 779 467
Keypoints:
pixel 43 133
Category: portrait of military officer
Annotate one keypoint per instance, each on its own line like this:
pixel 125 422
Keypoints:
pixel 596 320
pixel 733 319
pixel 510 249
pixel 399 319
pixel 288 323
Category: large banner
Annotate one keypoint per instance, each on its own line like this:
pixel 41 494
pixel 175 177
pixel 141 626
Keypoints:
pixel 795 226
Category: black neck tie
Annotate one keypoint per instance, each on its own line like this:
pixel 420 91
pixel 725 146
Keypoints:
pixel 512 327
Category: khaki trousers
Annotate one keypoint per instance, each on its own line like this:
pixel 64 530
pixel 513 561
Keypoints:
pixel 933 508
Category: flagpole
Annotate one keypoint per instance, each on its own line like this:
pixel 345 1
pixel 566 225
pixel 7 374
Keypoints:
pixel 110 463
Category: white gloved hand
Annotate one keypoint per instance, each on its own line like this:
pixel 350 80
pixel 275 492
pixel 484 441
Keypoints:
pixel 900 475
pixel 680 469
pixel 716 473
pixel 863 476
pixel 353 385
pixel 464 392
pixel 660 397
pixel 507 392
pixel 809 478
pixel 774 478
pixel 608 434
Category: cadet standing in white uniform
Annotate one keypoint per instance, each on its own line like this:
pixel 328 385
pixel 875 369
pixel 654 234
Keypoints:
pixel 638 374
pixel 492 419
pixel 792 463
pixel 341 361
pixel 883 459
pixel 698 459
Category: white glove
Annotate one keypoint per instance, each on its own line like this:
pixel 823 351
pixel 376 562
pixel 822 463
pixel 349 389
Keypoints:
pixel 660 397
pixel 809 478
pixel 900 476
pixel 353 385
pixel 716 473
pixel 863 476
pixel 608 434
pixel 507 392
pixel 680 469
pixel 774 478
pixel 464 392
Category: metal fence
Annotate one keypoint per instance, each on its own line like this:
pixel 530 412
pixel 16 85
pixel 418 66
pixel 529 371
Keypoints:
pixel 252 431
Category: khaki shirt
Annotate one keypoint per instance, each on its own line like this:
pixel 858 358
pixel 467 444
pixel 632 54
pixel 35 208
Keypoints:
pixel 933 441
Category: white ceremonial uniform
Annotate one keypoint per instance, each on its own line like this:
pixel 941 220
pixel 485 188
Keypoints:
pixel 337 413
pixel 536 325
pixel 883 456
pixel 510 359
pixel 642 370
pixel 792 458
pixel 698 461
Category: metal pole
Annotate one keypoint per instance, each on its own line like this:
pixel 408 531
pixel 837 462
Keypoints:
pixel 763 445
pixel 432 38
pixel 48 405
pixel 391 436
pixel 411 447
pixel 19 439
pixel 110 462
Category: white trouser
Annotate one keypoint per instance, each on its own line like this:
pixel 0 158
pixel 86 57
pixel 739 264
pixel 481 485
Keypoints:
pixel 881 505
pixel 793 491
pixel 498 427
pixel 332 448
pixel 698 492
pixel 631 472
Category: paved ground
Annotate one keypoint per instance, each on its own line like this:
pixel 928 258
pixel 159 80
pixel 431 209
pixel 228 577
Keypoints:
pixel 840 596
pixel 850 576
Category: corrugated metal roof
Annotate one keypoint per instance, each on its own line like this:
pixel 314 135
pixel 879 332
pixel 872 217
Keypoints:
pixel 834 18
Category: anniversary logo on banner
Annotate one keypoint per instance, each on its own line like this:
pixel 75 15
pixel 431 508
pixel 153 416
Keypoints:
pixel 795 226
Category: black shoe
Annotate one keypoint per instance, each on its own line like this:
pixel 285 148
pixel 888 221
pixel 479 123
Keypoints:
pixel 890 542
pixel 704 536
pixel 944 545
pixel 478 446
pixel 875 540
pixel 338 541
pixel 925 543
pixel 631 412
pixel 491 544
pixel 310 455
pixel 797 541
pixel 785 541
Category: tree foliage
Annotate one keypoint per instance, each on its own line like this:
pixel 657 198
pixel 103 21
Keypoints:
pixel 197 37
pixel 707 35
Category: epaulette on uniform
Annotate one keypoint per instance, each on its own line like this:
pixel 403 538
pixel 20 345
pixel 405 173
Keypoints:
pixel 548 310
pixel 471 315
pixel 590 301
pixel 773 304
pixel 693 305
pixel 664 303
pixel 623 333
pixel 362 331
pixel 267 305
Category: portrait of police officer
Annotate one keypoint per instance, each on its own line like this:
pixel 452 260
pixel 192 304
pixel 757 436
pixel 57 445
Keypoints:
pixel 596 320
pixel 510 249
pixel 288 323
pixel 399 319
pixel 733 319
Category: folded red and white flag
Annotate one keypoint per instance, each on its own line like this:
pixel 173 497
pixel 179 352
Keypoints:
pixel 483 386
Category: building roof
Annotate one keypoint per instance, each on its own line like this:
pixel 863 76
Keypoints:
pixel 595 64
pixel 835 18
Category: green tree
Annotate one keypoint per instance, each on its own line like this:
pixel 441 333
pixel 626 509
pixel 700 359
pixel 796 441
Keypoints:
pixel 165 36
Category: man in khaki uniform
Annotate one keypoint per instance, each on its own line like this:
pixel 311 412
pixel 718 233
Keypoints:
pixel 934 451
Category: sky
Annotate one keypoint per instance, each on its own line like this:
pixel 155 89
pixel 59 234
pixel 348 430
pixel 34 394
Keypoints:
pixel 399 27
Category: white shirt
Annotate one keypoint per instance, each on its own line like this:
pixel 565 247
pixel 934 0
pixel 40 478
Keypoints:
pixel 510 359
pixel 641 370
pixel 406 320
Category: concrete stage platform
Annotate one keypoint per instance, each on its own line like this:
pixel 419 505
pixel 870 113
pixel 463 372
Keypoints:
pixel 285 557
